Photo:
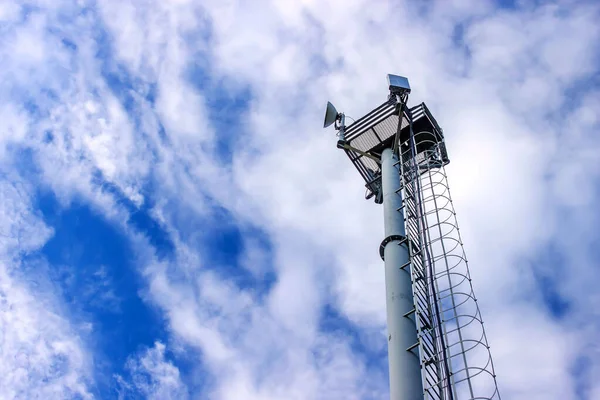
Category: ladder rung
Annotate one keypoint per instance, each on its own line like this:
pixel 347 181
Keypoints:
pixel 413 346
pixel 416 252
pixel 431 375
pixel 426 324
pixel 429 352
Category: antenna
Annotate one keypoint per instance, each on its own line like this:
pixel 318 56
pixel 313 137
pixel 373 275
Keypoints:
pixel 331 115
pixel 437 347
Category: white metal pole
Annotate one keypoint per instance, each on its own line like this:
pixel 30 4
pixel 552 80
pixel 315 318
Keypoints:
pixel 403 356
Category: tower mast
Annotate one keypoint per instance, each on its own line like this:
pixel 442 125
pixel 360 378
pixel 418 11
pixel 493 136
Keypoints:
pixel 437 347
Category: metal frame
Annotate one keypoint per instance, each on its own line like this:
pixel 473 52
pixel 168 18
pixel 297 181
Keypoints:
pixel 382 128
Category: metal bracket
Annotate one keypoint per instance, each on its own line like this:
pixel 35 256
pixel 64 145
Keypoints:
pixel 342 144
pixel 388 239
pixel 412 347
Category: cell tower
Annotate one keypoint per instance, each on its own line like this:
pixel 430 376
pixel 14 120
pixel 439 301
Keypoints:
pixel 437 347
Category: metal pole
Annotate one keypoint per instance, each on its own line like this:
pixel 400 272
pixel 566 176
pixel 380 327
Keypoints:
pixel 404 365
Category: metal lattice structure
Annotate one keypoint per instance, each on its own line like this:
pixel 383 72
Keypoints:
pixel 453 351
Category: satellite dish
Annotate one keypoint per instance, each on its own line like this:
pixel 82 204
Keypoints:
pixel 331 115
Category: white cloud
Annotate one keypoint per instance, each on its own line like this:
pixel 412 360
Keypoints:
pixel 42 354
pixel 152 376
pixel 14 127
pixel 9 11
pixel 259 350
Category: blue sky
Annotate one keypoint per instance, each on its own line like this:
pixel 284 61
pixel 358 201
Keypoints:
pixel 174 223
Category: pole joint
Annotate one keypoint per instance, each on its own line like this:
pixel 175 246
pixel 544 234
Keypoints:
pixel 388 239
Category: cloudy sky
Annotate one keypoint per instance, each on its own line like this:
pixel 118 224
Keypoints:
pixel 175 223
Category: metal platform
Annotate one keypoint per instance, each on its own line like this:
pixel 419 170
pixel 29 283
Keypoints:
pixel 368 136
